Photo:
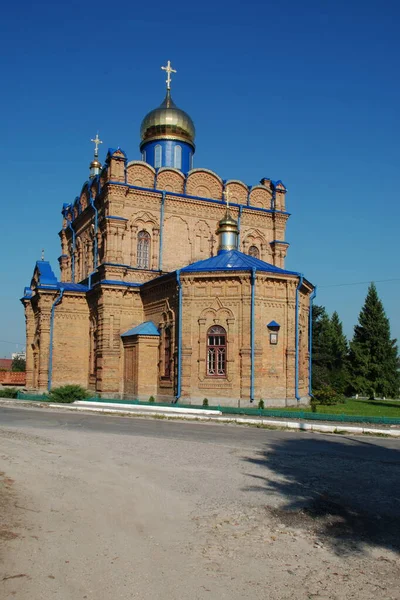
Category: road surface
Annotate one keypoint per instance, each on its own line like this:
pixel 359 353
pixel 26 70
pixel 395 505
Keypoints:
pixel 101 507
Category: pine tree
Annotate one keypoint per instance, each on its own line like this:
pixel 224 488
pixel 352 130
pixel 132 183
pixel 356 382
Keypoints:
pixel 322 347
pixel 339 353
pixel 373 354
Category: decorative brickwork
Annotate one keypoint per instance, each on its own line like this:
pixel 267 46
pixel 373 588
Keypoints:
pixel 170 180
pixel 204 183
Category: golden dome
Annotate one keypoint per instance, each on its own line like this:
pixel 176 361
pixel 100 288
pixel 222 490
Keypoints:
pixel 228 232
pixel 228 220
pixel 168 122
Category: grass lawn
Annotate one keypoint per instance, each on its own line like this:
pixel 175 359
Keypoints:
pixel 363 408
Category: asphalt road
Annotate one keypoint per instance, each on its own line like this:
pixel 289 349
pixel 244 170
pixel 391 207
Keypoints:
pixel 105 507
pixel 373 448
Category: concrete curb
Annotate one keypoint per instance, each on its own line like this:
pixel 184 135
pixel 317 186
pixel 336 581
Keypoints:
pixel 219 418
pixel 150 409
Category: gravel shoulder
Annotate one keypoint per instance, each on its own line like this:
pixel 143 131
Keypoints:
pixel 103 508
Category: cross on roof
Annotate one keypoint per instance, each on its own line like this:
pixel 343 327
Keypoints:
pixel 97 141
pixel 169 70
pixel 227 195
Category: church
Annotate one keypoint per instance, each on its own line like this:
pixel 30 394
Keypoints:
pixel 172 282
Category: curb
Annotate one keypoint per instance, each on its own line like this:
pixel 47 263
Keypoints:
pixel 150 409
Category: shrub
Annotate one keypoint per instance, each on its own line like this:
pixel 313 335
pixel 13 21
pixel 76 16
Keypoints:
pixel 152 399
pixel 8 393
pixel 327 396
pixel 205 402
pixel 261 404
pixel 68 393
pixel 313 404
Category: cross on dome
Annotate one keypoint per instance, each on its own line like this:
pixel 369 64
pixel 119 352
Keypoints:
pixel 97 141
pixel 227 195
pixel 169 70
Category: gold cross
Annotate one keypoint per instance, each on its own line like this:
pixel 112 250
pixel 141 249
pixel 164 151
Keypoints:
pixel 169 70
pixel 42 254
pixel 226 194
pixel 97 141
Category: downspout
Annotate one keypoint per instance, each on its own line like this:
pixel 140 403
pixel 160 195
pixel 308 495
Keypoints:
pixel 310 347
pixel 53 308
pixel 252 332
pixel 297 339
pixel 179 369
pixel 160 252
pixel 73 252
pixel 96 212
pixel 239 220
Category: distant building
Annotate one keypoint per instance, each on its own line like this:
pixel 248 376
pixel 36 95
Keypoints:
pixel 173 282
pixel 18 355
pixel 5 364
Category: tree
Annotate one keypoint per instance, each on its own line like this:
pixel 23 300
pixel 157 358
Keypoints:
pixel 339 353
pixel 322 347
pixel 18 364
pixel 330 351
pixel 373 354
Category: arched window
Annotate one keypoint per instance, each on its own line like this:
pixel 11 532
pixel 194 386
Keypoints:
pixel 143 250
pixel 216 351
pixel 254 251
pixel 157 156
pixel 178 157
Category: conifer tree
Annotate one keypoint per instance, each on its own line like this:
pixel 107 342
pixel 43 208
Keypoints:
pixel 322 346
pixel 373 354
pixel 339 352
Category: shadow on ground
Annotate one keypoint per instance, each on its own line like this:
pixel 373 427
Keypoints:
pixel 346 491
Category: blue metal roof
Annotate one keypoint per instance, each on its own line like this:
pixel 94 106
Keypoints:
pixel 273 324
pixel 233 260
pixel 46 274
pixel 146 328
pixel 72 287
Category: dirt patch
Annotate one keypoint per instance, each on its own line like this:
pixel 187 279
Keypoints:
pixel 7 510
pixel 280 551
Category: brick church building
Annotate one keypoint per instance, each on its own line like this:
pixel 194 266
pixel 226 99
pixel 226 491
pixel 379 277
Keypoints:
pixel 172 283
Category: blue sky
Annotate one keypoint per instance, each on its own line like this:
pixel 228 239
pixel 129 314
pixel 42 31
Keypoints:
pixel 304 92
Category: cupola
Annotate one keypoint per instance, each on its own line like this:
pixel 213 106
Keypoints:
pixel 167 134
pixel 95 165
pixel 228 233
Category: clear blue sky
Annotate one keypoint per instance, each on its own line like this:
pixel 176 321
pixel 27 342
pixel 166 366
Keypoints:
pixel 307 92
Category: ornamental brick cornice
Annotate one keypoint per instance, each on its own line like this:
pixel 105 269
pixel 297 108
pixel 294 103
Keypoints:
pixel 281 218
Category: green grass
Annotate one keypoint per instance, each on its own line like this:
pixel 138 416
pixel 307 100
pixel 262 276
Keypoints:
pixel 363 408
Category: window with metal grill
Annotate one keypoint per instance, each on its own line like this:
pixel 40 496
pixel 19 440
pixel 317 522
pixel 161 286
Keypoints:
pixel 216 351
pixel 143 250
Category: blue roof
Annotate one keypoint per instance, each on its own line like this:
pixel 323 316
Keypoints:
pixel 72 287
pixel 273 324
pixel 233 260
pixel 146 328
pixel 46 274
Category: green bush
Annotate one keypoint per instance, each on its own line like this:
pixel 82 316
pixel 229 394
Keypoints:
pixel 313 404
pixel 8 393
pixel 68 393
pixel 152 399
pixel 261 404
pixel 327 396
pixel 205 402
